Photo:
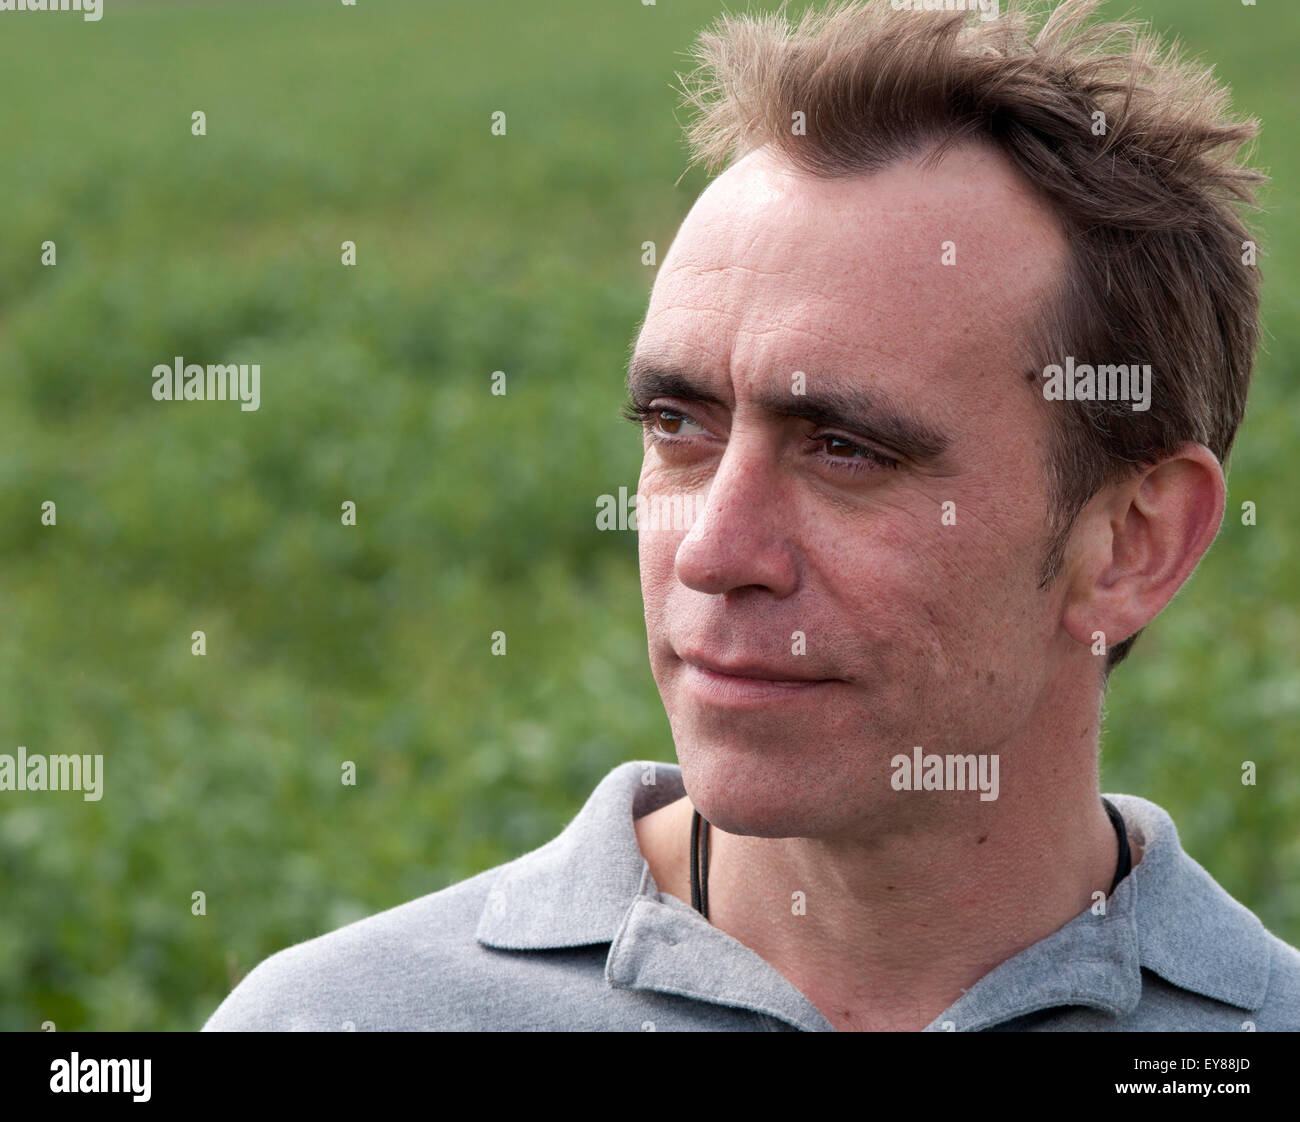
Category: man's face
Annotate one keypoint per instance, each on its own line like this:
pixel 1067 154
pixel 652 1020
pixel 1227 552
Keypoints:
pixel 822 614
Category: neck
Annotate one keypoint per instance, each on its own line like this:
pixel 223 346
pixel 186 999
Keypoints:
pixel 884 926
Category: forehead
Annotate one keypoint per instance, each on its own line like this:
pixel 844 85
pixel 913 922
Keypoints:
pixel 917 274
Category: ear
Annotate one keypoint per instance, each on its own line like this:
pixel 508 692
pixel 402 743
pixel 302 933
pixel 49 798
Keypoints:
pixel 1137 541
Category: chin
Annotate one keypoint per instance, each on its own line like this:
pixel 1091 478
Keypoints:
pixel 763 795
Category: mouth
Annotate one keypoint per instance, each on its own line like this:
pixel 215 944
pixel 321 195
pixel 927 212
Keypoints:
pixel 747 683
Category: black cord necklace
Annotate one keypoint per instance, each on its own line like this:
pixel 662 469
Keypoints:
pixel 699 882
pixel 700 857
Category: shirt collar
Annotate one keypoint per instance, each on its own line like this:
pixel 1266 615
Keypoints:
pixel 591 885
pixel 1188 929
pixel 576 889
pixel 1168 916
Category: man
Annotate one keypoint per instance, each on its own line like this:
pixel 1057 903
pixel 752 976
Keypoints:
pixel 945 364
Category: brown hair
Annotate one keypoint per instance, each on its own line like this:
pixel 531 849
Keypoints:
pixel 1145 193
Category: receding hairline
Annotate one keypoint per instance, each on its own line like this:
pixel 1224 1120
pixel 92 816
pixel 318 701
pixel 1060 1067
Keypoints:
pixel 1035 303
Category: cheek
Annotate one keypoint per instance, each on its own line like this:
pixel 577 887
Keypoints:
pixel 656 553
pixel 940 596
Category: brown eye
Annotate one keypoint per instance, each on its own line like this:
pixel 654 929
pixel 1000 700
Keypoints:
pixel 858 457
pixel 670 423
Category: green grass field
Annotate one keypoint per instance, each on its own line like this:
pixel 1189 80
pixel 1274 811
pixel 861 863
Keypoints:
pixel 371 644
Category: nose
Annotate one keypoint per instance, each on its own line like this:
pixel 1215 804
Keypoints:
pixel 741 536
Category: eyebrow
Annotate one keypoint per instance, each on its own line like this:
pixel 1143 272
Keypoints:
pixel 867 413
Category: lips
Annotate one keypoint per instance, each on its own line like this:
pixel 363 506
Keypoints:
pixel 752 670
pixel 748 683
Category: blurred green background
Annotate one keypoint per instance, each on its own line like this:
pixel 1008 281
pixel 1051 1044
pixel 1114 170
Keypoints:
pixel 476 513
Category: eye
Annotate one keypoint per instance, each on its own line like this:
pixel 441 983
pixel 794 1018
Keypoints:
pixel 852 456
pixel 838 446
pixel 673 423
pixel 661 423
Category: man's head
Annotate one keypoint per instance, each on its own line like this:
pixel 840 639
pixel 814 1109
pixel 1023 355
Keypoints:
pixel 842 364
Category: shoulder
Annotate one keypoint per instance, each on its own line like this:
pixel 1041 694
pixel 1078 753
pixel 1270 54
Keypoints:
pixel 520 946
pixel 1208 961
pixel 1281 1008
pixel 1172 1007
pixel 384 968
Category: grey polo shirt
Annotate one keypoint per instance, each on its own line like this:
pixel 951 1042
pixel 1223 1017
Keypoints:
pixel 575 936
